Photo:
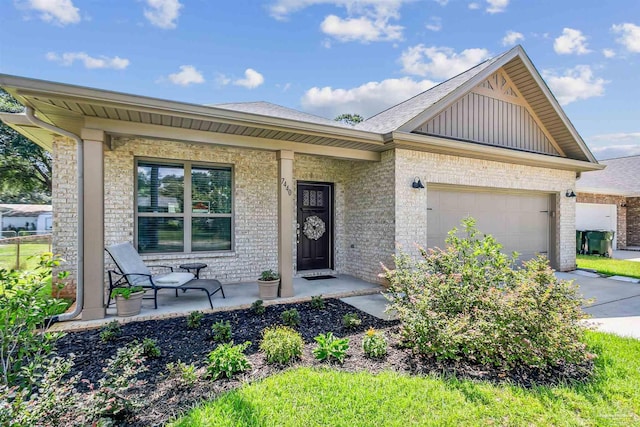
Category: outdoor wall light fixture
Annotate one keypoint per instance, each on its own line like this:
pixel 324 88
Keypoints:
pixel 570 193
pixel 417 183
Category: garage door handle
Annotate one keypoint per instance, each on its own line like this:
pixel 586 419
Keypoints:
pixel 545 211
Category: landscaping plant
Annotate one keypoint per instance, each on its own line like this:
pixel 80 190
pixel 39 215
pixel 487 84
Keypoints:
pixel 126 291
pixel 150 348
pixel 330 347
pixel 184 374
pixel 110 331
pixel 226 360
pixel 374 344
pixel 468 301
pixel 281 344
pixel 221 331
pixel 351 320
pixel 258 307
pixel 290 317
pixel 317 302
pixel 194 319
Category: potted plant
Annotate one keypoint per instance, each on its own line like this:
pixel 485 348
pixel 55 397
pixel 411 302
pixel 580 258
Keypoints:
pixel 268 284
pixel 128 300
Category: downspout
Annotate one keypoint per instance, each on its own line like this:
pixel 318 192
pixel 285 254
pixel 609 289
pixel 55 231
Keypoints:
pixel 30 114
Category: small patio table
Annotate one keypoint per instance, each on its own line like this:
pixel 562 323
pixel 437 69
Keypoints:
pixel 195 266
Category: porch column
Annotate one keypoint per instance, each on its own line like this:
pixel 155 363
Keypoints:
pixel 285 221
pixel 93 240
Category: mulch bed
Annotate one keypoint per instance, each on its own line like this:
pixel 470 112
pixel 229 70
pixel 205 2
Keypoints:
pixel 164 399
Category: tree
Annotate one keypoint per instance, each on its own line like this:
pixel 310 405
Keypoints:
pixel 25 167
pixel 350 119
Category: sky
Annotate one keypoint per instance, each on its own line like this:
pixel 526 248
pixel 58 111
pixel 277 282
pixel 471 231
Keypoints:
pixel 329 57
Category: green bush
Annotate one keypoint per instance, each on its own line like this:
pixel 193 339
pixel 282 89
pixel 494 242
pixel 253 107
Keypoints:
pixel 194 319
pixel 374 344
pixel 290 317
pixel 469 302
pixel 258 307
pixel 110 331
pixel 184 374
pixel 221 331
pixel 317 302
pixel 227 360
pixel 330 347
pixel 351 320
pixel 150 348
pixel 24 309
pixel 281 344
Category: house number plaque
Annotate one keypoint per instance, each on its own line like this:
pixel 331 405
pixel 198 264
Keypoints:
pixel 286 186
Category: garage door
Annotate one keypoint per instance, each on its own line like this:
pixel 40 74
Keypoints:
pixel 593 216
pixel 519 221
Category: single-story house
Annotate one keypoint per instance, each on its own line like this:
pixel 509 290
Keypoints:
pixel 251 186
pixel 609 199
pixel 25 217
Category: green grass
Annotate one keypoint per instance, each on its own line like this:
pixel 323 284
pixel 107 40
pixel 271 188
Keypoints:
pixel 27 250
pixel 310 397
pixel 613 267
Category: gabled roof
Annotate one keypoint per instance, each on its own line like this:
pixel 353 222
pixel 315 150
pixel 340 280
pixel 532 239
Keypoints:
pixel 621 177
pixel 17 209
pixel 273 110
pixel 410 114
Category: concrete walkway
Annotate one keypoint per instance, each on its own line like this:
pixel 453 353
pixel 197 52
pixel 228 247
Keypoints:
pixel 628 255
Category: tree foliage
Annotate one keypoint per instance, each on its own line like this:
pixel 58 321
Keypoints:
pixel 25 167
pixel 349 119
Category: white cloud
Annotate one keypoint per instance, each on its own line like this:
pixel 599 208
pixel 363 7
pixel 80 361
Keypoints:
pixel 575 84
pixel 571 41
pixel 442 2
pixel 615 151
pixel 610 145
pixel 629 36
pixel 440 62
pixel 59 12
pixel 608 53
pixel 497 6
pixel 252 79
pixel 68 58
pixel 163 13
pixel 511 38
pixel 434 24
pixel 187 75
pixel 360 29
pixel 366 100
pixel 474 6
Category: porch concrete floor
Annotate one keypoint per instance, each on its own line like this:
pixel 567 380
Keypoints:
pixel 240 295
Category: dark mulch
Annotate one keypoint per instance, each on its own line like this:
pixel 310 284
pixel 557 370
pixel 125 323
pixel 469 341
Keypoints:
pixel 165 399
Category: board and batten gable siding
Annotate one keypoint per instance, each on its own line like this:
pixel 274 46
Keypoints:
pixel 493 113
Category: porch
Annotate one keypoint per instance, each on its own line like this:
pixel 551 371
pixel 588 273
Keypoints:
pixel 238 296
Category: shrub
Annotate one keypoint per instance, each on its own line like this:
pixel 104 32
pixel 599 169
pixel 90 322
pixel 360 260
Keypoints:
pixel 330 347
pixel 227 360
pixel 317 302
pixel 374 344
pixel 184 374
pixel 112 398
pixel 24 309
pixel 221 331
pixel 194 319
pixel 290 317
pixel 269 275
pixel 467 301
pixel 150 348
pixel 281 344
pixel 351 320
pixel 125 292
pixel 110 331
pixel 258 307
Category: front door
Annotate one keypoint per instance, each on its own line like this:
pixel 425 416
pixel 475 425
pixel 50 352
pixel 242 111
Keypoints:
pixel 315 226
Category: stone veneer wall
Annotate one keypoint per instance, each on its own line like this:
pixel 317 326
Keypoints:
pixel 411 205
pixel 633 221
pixel 621 216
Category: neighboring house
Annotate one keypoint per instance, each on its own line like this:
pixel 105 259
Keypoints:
pixel 260 186
pixel 610 200
pixel 37 219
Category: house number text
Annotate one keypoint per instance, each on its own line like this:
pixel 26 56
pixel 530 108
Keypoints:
pixel 286 186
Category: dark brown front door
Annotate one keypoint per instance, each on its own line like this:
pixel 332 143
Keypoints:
pixel 315 226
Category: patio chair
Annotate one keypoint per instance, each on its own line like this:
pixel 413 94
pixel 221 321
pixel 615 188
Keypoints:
pixel 132 271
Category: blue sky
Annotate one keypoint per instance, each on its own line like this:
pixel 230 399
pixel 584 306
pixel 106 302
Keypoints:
pixel 334 56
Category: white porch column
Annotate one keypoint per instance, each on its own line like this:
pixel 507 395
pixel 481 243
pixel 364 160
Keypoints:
pixel 93 239
pixel 285 221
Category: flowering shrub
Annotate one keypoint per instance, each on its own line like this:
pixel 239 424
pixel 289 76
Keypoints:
pixel 468 301
pixel 374 344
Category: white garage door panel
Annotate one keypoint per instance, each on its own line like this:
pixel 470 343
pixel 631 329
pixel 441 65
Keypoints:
pixel 519 221
pixel 594 216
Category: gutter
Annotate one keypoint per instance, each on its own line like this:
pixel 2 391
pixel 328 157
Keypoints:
pixel 30 115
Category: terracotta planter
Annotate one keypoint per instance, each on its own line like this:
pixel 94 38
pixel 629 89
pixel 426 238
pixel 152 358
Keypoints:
pixel 268 289
pixel 129 307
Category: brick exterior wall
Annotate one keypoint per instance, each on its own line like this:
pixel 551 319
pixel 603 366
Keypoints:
pixel 621 216
pixel 633 221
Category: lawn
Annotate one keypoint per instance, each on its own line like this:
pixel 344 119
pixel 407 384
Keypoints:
pixel 613 267
pixel 315 397
pixel 28 255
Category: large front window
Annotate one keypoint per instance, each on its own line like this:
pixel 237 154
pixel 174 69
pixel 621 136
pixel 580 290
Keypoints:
pixel 183 207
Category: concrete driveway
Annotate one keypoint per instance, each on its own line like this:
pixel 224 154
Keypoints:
pixel 616 307
pixel 628 255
